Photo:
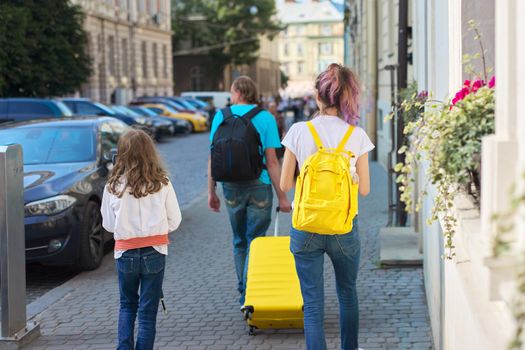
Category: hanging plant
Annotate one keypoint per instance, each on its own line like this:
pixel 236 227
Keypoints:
pixel 447 135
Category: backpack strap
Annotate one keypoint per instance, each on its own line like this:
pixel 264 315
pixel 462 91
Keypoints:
pixel 343 142
pixel 252 113
pixel 226 113
pixel 315 135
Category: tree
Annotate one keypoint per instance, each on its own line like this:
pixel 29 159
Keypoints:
pixel 228 31
pixel 42 53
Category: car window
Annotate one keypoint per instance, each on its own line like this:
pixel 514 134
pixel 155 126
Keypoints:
pixel 156 110
pixel 29 108
pixel 3 107
pixel 86 108
pixel 57 144
pixel 186 104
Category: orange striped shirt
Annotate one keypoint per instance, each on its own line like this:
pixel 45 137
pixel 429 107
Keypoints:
pixel 141 242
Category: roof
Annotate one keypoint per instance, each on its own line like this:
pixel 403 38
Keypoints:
pixel 309 11
pixel 66 121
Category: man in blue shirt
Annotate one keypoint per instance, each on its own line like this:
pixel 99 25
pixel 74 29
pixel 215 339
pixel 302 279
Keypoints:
pixel 249 204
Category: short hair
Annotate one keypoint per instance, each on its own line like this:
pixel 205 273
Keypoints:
pixel 246 87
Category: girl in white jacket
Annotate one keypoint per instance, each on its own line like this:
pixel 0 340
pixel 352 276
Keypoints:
pixel 140 208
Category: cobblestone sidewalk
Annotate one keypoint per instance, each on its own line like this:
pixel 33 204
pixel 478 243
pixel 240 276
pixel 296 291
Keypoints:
pixel 202 301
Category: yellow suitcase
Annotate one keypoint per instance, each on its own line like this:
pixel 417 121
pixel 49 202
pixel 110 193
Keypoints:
pixel 273 295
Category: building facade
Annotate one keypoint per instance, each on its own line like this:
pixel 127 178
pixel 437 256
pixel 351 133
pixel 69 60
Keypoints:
pixel 192 70
pixel 130 45
pixel 312 39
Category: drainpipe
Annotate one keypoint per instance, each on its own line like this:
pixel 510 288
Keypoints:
pixel 402 66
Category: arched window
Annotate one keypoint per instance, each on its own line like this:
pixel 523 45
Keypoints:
pixel 196 78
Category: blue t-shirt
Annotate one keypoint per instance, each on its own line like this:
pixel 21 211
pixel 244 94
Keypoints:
pixel 264 123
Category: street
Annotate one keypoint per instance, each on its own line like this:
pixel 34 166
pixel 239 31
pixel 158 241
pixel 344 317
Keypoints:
pixel 200 283
pixel 186 158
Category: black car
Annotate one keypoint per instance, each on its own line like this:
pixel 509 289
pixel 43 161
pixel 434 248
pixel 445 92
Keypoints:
pixel 161 126
pixel 66 166
pixel 181 126
pixel 20 109
pixel 86 107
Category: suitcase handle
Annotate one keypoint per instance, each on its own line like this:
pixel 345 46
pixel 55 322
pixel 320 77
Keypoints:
pixel 276 226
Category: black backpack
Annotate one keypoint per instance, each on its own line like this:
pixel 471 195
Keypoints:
pixel 236 149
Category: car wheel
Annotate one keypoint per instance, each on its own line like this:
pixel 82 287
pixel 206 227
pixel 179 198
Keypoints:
pixel 91 238
pixel 191 129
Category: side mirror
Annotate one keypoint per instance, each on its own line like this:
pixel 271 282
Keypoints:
pixel 110 158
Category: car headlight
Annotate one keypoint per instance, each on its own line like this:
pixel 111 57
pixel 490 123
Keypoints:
pixel 49 206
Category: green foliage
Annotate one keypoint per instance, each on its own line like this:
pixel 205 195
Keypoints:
pixel 284 79
pixel 43 48
pixel 230 29
pixel 450 139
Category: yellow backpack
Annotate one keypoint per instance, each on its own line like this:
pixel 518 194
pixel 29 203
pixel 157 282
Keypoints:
pixel 325 199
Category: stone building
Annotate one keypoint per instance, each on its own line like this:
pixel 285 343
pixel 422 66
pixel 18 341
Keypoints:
pixel 313 39
pixel 192 74
pixel 129 42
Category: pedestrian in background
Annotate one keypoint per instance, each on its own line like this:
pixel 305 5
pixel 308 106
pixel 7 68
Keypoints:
pixel 281 126
pixel 140 207
pixel 249 202
pixel 337 95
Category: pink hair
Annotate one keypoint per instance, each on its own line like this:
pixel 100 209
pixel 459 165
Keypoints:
pixel 339 87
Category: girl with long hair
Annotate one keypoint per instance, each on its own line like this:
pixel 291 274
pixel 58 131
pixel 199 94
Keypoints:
pixel 140 208
pixel 337 96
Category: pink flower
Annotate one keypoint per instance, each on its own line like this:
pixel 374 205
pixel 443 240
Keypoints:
pixel 492 82
pixel 466 83
pixel 477 84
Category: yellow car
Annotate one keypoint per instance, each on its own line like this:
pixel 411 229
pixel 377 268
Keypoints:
pixel 197 121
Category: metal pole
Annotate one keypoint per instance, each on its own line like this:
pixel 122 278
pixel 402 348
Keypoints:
pixel 391 174
pixel 14 330
pixel 402 47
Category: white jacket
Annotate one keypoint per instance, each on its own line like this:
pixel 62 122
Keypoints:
pixel 129 217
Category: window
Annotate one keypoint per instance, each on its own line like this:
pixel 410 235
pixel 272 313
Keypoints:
pixel 125 63
pixel 286 68
pixel 322 65
pixel 300 49
pixel 86 108
pixel 196 78
pixel 286 49
pixel 299 30
pixel 325 49
pixel 32 108
pixel 144 61
pixel 111 55
pixel 155 61
pixel 165 61
pixel 300 67
pixel 326 29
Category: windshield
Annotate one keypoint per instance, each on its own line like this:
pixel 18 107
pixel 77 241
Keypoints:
pixel 107 110
pixel 57 144
pixel 185 104
pixel 143 111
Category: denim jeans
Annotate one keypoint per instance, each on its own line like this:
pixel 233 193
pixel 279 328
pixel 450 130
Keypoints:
pixel 344 251
pixel 250 209
pixel 144 268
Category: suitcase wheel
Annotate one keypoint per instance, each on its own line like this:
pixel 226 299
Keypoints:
pixel 247 311
pixel 251 331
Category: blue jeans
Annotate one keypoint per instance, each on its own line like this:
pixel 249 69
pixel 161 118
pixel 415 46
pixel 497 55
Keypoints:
pixel 142 267
pixel 250 209
pixel 344 251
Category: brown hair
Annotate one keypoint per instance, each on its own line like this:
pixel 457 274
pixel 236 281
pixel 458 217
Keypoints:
pixel 138 168
pixel 247 89
pixel 339 87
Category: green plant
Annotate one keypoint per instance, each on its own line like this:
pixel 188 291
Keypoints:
pixel 447 135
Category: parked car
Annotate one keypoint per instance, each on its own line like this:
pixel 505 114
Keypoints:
pixel 181 126
pixel 219 98
pixel 198 122
pixel 161 127
pixel 66 165
pixel 19 109
pixel 203 105
pixel 179 107
pixel 86 107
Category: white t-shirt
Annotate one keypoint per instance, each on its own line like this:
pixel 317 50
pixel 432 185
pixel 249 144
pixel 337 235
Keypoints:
pixel 331 130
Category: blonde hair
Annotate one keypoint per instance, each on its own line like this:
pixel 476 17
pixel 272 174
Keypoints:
pixel 246 87
pixel 138 168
